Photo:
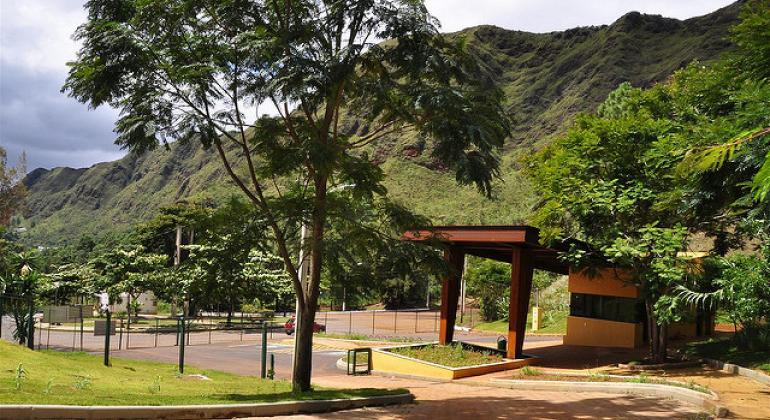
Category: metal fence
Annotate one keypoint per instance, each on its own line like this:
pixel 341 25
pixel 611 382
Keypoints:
pixel 72 328
pixel 148 332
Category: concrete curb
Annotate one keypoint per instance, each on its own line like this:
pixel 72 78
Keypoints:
pixel 705 401
pixel 224 411
pixel 739 370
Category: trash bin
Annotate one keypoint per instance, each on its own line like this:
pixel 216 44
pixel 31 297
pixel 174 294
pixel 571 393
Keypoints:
pixel 502 343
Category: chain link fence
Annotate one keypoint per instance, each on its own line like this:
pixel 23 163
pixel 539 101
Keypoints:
pixel 75 328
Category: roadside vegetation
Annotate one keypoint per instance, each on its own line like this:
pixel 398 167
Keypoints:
pixel 553 323
pixel 43 377
pixel 639 181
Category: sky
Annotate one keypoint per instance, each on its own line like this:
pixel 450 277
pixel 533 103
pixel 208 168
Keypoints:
pixel 55 130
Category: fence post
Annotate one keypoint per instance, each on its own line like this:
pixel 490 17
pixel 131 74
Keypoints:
pixel 373 314
pixel 435 321
pixel 181 344
pixel 48 337
pixel 263 358
pixel 120 337
pixel 31 323
pixel 416 314
pixel 157 325
pixel 395 321
pixel 82 322
pixel 350 322
pixel 107 339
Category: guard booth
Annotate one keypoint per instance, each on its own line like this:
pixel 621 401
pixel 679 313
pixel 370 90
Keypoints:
pixel 516 245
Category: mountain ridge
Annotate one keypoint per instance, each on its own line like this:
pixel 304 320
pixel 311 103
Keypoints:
pixel 548 79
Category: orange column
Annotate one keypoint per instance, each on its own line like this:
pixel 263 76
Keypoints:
pixel 521 287
pixel 450 292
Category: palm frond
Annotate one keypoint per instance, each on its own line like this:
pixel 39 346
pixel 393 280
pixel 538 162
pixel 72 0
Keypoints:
pixel 761 183
pixel 712 158
pixel 703 299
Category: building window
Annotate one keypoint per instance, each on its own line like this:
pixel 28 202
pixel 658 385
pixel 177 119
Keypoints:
pixel 611 308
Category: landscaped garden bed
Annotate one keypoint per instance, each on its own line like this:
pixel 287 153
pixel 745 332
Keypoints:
pixel 535 374
pixel 670 363
pixel 457 360
pixel 43 377
pixel 453 355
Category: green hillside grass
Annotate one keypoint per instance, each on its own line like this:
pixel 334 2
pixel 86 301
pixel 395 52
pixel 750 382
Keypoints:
pixel 548 79
pixel 81 379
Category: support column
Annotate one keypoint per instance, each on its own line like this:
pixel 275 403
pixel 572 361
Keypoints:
pixel 521 287
pixel 450 292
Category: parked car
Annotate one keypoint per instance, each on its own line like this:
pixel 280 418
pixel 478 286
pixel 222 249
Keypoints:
pixel 289 327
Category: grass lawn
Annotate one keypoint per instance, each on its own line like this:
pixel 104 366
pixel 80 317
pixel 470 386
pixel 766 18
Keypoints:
pixel 725 351
pixel 554 324
pixel 453 355
pixel 81 379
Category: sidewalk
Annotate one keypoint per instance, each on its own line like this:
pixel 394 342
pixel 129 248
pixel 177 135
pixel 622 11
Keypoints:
pixel 455 400
pixel 744 397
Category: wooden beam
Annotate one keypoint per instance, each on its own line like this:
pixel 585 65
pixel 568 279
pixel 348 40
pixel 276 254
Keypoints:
pixel 521 287
pixel 450 292
pixel 511 235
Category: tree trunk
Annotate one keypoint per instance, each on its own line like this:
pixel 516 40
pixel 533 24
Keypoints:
pixel 230 311
pixel 304 331
pixel 303 366
pixel 663 347
pixel 652 327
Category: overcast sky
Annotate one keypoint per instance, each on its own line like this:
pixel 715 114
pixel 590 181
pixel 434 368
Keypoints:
pixel 54 130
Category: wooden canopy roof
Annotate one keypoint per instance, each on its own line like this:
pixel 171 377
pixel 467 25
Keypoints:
pixel 495 242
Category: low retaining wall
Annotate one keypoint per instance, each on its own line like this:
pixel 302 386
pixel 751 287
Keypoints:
pixel 739 370
pixel 225 411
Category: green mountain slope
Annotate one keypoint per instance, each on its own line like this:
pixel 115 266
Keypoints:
pixel 548 78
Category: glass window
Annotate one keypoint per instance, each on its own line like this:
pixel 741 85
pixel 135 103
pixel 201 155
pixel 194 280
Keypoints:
pixel 611 308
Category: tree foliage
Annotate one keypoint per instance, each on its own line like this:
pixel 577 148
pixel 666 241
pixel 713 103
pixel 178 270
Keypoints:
pixel 12 189
pixel 193 70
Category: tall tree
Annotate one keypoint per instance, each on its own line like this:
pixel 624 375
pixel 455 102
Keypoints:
pixel 192 71
pixel 612 182
pixel 12 190
pixel 743 120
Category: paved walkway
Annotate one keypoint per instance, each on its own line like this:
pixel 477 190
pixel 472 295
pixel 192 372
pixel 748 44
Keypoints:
pixel 454 400
pixel 744 397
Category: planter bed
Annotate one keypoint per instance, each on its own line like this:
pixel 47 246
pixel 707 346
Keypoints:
pixel 421 360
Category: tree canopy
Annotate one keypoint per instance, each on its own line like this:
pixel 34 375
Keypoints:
pixel 203 71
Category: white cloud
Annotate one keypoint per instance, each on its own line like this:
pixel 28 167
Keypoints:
pixel 557 15
pixel 36 42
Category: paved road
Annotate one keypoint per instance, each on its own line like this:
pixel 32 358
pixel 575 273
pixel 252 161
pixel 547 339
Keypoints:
pixel 243 357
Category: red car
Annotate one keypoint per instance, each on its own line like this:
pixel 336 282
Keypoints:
pixel 289 327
